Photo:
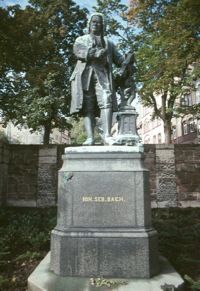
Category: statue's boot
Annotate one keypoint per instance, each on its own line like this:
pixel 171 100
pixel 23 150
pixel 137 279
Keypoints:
pixel 89 123
pixel 107 123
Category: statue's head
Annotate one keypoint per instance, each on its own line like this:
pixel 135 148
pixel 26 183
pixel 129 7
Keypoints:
pixel 96 24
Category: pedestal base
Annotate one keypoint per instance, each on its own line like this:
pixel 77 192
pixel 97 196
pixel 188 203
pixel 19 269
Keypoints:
pixel 104 220
pixel 42 279
pixel 123 253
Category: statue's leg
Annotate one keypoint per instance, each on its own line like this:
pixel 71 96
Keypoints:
pixel 106 115
pixel 89 116
pixel 89 122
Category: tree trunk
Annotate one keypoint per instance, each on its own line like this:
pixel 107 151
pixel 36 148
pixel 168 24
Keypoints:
pixel 47 131
pixel 167 131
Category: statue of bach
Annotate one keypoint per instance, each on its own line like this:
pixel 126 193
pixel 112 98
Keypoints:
pixel 93 92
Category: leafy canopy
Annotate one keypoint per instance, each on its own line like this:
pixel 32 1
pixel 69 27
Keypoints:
pixel 35 79
pixel 168 44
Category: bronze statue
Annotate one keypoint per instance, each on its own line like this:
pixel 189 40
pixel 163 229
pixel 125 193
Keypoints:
pixel 125 82
pixel 93 91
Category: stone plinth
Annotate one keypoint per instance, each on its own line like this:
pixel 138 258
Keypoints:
pixel 42 279
pixel 104 221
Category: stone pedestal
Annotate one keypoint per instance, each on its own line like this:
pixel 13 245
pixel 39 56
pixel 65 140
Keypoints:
pixel 104 221
pixel 127 134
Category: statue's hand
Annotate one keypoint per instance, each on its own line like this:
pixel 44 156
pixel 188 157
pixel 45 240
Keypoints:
pixel 100 53
pixel 91 54
pixel 94 53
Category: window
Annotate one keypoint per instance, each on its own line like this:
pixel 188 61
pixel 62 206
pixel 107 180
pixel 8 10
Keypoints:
pixel 185 128
pixel 174 132
pixel 189 100
pixel 155 123
pixel 186 100
pixel 159 138
pixel 146 126
pixel 159 122
pixel 145 111
pixel 147 139
pixel 154 139
pixel 198 94
pixel 191 125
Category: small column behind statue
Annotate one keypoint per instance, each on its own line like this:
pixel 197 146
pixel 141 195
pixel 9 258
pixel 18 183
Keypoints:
pixel 127 115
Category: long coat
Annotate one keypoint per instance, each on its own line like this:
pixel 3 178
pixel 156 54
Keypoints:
pixel 81 48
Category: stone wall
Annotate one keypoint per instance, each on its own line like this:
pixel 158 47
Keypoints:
pixel 4 161
pixel 31 175
pixel 166 195
pixel 47 176
pixel 174 174
pixel 150 164
pixel 28 174
pixel 22 175
pixel 187 161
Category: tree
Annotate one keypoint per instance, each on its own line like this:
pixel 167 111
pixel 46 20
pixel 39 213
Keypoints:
pixel 168 44
pixel 164 35
pixel 39 93
pixel 11 59
pixel 117 24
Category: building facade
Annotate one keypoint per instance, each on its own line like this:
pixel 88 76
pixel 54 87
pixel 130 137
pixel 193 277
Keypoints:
pixel 185 129
pixel 23 135
pixel 150 131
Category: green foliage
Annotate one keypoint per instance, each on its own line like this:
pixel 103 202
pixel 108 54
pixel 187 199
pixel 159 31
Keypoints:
pixel 179 238
pixel 117 24
pixel 165 38
pixel 3 137
pixel 34 81
pixel 3 282
pixel 78 133
pixel 28 256
pixel 25 235
pixel 167 45
pixel 24 240
pixel 194 285
pixel 4 250
pixel 29 229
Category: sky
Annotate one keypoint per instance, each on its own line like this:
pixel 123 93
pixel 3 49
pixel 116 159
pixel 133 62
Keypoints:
pixel 13 2
pixel 83 3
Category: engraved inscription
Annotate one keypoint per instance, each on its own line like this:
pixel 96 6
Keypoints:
pixel 107 199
